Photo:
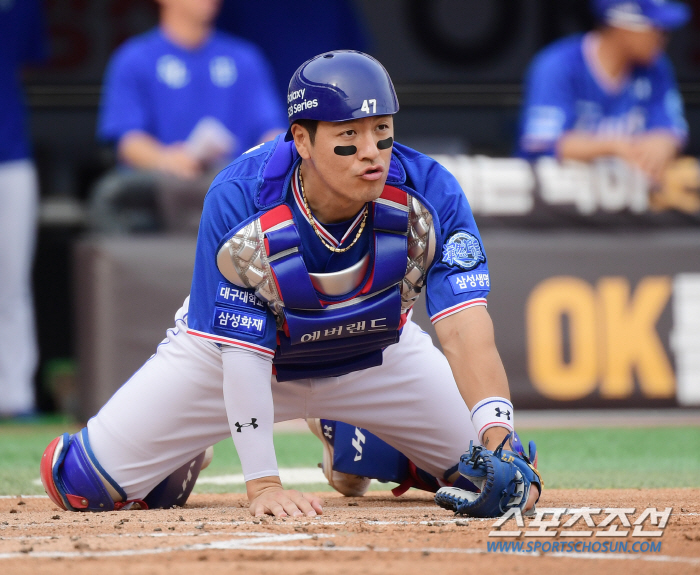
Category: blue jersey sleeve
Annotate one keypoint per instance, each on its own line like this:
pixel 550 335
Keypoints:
pixel 124 106
pixel 666 106
pixel 459 275
pixel 549 106
pixel 220 311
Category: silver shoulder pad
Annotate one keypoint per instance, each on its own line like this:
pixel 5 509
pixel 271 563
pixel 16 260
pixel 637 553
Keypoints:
pixel 421 251
pixel 242 261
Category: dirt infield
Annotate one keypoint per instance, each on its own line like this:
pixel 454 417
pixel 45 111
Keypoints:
pixel 375 534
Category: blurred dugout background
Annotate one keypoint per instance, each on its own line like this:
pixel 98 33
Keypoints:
pixel 594 284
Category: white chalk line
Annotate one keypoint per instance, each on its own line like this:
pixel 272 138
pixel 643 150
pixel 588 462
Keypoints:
pixel 258 543
pixel 247 543
pixel 364 510
pixel 156 535
pixel 462 521
pixel 277 523
pixel 288 475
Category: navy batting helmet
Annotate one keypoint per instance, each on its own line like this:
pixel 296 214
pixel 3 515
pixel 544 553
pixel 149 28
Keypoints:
pixel 340 85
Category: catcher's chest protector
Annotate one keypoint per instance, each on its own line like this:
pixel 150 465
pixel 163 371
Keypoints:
pixel 336 323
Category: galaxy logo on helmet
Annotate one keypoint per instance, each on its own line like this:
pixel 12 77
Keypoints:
pixel 338 86
pixel 640 15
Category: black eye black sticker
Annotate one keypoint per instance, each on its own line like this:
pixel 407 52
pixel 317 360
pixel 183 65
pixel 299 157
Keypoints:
pixel 352 150
pixel 345 150
pixel 384 144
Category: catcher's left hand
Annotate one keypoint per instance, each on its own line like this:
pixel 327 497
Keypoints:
pixel 503 477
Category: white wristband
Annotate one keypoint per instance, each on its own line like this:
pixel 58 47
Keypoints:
pixel 492 412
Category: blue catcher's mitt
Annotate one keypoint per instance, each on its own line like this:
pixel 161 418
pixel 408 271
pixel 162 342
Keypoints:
pixel 503 477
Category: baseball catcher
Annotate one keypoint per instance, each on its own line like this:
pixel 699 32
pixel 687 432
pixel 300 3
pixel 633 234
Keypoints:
pixel 312 251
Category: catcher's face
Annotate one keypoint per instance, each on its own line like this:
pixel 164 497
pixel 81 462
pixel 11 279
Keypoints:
pixel 347 164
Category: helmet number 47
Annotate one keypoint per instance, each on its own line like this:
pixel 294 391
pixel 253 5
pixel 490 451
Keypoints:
pixel 366 104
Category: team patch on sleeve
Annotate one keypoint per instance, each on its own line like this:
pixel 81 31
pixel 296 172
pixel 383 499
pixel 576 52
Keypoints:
pixel 463 250
pixel 230 294
pixel 470 281
pixel 236 321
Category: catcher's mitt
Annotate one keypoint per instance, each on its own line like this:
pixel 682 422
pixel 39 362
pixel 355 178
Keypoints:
pixel 503 477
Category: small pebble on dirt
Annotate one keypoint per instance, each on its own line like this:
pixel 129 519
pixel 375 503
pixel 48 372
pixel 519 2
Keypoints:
pixel 353 504
pixel 426 553
pixel 157 529
pixel 182 518
pixel 55 517
pixel 329 544
pixel 171 528
pixel 13 511
pixel 21 503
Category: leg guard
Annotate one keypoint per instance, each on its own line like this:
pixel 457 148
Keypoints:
pixel 75 481
pixel 348 484
pixel 73 478
pixel 174 490
pixel 358 454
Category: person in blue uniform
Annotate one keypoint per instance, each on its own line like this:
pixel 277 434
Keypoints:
pixel 22 41
pixel 159 86
pixel 312 251
pixel 179 103
pixel 610 92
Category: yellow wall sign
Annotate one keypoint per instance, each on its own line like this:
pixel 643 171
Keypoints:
pixel 609 334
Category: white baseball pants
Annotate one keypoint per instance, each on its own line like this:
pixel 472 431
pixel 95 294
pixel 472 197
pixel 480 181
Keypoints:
pixel 173 408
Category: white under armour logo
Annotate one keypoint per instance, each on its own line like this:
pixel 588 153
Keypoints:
pixel 357 443
pixel 328 431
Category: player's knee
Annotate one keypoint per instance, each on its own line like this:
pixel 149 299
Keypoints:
pixel 75 481
pixel 73 478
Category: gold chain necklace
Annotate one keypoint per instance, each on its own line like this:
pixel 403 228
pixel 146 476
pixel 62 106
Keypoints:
pixel 313 223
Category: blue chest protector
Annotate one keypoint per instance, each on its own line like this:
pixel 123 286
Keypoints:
pixel 319 335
